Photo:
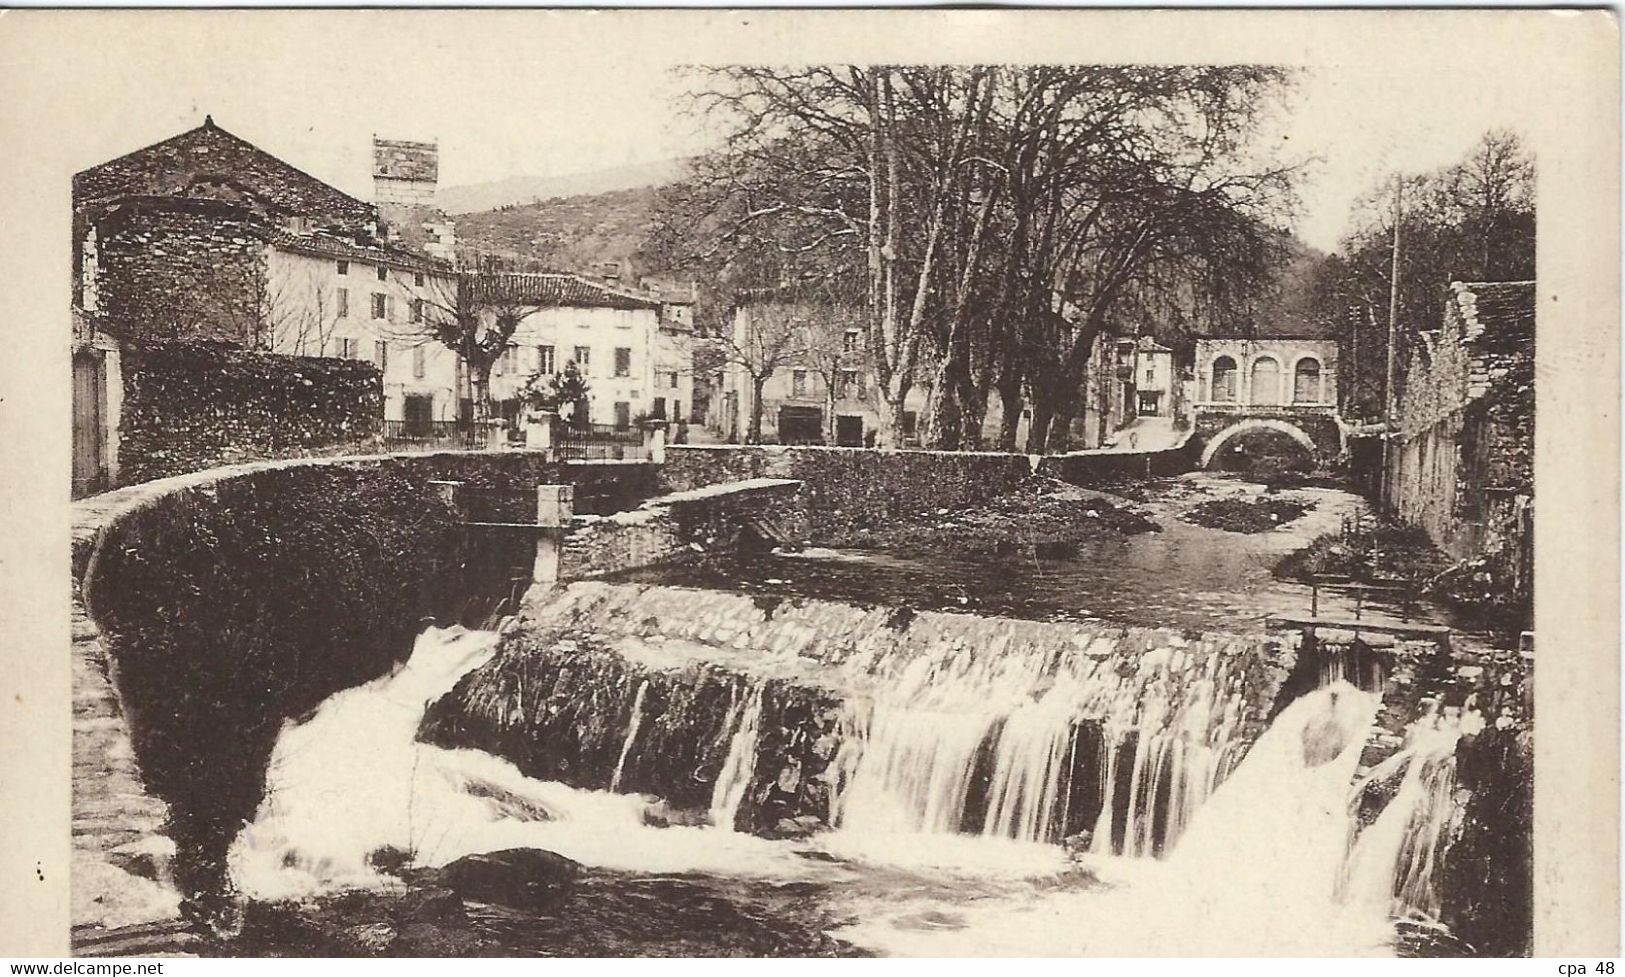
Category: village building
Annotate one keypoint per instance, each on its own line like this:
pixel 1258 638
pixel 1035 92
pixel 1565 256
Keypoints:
pixel 821 388
pixel 1461 455
pixel 1156 386
pixel 611 335
pixel 674 374
pixel 205 236
pixel 1285 371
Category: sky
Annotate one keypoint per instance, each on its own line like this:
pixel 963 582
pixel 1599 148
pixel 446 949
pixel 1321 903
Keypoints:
pixel 548 98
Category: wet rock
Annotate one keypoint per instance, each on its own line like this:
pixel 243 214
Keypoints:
pixel 389 859
pixel 1247 515
pixel 521 878
pixel 796 827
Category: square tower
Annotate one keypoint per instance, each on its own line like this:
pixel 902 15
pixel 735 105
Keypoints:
pixel 405 172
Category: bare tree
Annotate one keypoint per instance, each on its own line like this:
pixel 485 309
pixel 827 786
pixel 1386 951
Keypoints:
pixel 474 314
pixel 766 337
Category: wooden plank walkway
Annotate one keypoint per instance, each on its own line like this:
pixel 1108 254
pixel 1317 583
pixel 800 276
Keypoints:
pixel 1436 633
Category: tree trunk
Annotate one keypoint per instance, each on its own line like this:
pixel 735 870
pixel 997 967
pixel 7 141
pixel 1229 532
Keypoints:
pixel 1060 432
pixel 479 382
pixel 754 434
pixel 1038 433
pixel 943 421
pixel 1010 424
pixel 829 408
pixel 890 434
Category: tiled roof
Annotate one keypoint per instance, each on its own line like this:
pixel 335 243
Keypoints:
pixel 210 154
pixel 1495 311
pixel 378 253
pixel 547 289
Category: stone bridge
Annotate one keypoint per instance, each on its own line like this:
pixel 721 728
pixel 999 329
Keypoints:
pixel 1316 427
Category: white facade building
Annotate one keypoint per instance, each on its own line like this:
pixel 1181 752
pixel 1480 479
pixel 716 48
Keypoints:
pixel 1266 371
pixel 331 297
pixel 611 335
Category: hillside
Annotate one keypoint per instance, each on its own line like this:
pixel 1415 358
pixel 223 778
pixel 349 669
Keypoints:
pixel 521 190
pixel 574 233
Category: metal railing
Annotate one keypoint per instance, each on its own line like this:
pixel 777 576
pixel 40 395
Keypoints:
pixel 602 442
pixel 433 434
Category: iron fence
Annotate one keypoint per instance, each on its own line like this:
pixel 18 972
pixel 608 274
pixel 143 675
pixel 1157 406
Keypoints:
pixel 602 442
pixel 433 434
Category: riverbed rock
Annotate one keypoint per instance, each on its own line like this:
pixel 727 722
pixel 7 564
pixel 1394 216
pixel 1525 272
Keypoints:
pixel 520 878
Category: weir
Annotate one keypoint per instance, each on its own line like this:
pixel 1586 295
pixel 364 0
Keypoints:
pixel 869 721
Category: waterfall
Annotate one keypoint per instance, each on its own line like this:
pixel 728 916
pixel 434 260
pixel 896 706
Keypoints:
pixel 740 764
pixel 352 779
pixel 1391 863
pixel 947 731
pixel 1031 769
pixel 631 736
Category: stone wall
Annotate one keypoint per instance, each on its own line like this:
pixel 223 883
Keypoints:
pixel 853 488
pixel 211 606
pixel 1463 465
pixel 182 269
pixel 1093 468
pixel 191 406
pixel 670 526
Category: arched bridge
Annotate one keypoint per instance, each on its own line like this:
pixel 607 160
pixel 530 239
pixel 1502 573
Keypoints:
pixel 1315 426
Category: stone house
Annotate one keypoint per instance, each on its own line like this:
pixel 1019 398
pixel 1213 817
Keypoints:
pixel 1155 385
pixel 206 236
pixel 1281 371
pixel 1461 457
pixel 612 336
pixel 822 389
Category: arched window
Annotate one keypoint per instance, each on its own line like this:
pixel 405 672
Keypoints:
pixel 1224 380
pixel 1306 381
pixel 1266 382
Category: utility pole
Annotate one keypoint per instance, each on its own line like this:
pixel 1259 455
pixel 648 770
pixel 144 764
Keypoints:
pixel 1390 418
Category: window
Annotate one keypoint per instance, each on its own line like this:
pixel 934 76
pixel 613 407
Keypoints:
pixel 849 343
pixel 419 364
pixel 344 267
pixel 623 415
pixel 623 361
pixel 1306 381
pixel 677 410
pixel 1223 387
pixel 545 360
pixel 380 355
pixel 1266 382
pixel 851 384
pixel 658 412
pixel 380 305
pixel 417 310
pixel 417 278
pixel 1150 375
pixel 344 302
pixel 584 359
pixel 347 348
pixel 798 383
pixel 505 361
pixel 673 383
pixel 383 273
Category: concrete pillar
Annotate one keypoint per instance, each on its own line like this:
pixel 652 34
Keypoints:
pixel 496 435
pixel 654 441
pixel 541 432
pixel 555 505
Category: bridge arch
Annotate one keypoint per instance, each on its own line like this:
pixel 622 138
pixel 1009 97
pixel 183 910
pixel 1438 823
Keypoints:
pixel 1296 433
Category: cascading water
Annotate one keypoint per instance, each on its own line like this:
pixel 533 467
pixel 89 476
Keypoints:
pixel 960 754
pixel 1392 863
pixel 740 763
pixel 631 736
